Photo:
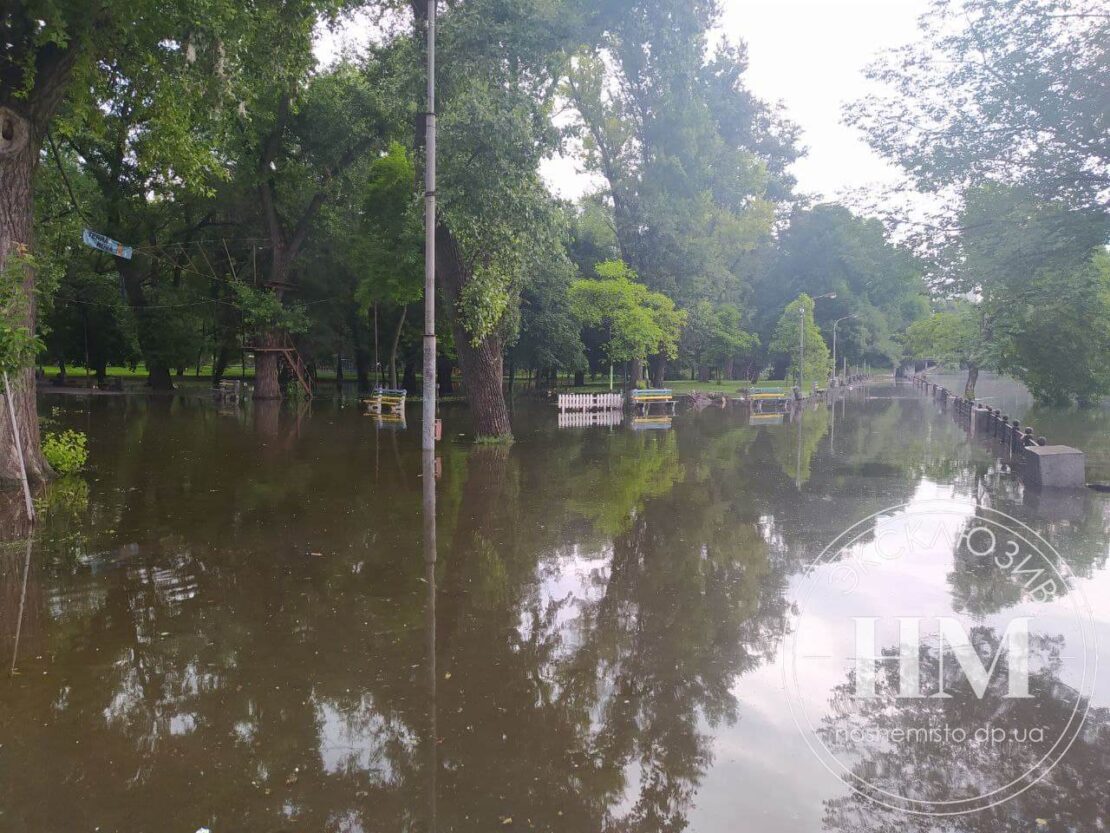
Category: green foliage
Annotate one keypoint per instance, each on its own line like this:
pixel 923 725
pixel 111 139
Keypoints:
pixel 389 256
pixel 263 310
pixel 998 90
pixel 828 249
pixel 798 316
pixel 637 322
pixel 691 158
pixel 1036 270
pixel 66 452
pixel 1062 349
pixel 714 336
pixel 550 334
pixel 18 343
pixel 950 337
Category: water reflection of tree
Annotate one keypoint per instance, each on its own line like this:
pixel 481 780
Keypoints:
pixel 1074 795
pixel 981 588
pixel 243 636
pixel 623 680
pixel 795 444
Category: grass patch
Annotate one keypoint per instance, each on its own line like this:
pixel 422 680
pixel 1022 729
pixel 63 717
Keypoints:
pixel 488 440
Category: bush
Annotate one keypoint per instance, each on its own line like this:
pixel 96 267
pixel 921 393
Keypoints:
pixel 66 452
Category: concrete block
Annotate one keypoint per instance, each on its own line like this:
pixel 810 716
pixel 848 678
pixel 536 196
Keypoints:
pixel 1055 467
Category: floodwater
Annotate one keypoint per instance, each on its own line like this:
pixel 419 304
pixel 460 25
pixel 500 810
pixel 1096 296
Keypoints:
pixel 228 622
pixel 1087 429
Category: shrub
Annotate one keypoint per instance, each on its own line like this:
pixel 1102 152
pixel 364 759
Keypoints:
pixel 65 452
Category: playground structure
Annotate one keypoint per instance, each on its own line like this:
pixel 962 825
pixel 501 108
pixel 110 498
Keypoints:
pixel 288 352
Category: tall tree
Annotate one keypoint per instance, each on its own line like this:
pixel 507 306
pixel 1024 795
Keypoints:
pixel 1005 90
pixel 299 148
pixel 797 336
pixel 826 249
pixel 637 322
pixel 500 65
pixel 53 49
pixel 693 162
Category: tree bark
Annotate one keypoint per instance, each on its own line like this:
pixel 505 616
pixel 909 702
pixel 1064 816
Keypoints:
pixel 634 372
pixel 219 364
pixel 482 363
pixel 972 378
pixel 267 384
pixel 408 381
pixel 393 350
pixel 658 370
pixel 18 153
pixel 444 369
pixel 359 334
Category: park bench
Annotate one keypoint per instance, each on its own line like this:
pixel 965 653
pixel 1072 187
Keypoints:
pixel 644 400
pixel 386 400
pixel 230 390
pixel 767 394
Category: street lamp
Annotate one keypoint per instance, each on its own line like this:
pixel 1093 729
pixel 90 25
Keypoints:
pixel 835 323
pixel 802 334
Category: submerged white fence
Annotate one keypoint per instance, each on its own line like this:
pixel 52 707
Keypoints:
pixel 591 402
pixel 588 419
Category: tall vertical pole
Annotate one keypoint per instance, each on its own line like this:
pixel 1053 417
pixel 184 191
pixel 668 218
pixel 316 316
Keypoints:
pixel 428 437
pixel 29 504
pixel 429 426
pixel 801 345
pixel 835 323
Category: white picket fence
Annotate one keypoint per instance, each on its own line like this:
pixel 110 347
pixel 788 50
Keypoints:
pixel 589 419
pixel 591 401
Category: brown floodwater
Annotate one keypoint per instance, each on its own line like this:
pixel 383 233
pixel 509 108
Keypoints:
pixel 228 622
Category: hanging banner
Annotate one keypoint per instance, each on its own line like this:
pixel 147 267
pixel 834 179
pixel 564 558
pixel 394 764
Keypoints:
pixel 106 244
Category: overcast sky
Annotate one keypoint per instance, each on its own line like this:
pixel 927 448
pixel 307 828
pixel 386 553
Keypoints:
pixel 808 54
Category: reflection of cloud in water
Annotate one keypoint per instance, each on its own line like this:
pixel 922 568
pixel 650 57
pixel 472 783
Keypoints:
pixel 358 739
pixel 567 582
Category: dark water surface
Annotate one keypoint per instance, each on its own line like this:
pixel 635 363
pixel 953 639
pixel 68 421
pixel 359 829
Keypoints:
pixel 227 622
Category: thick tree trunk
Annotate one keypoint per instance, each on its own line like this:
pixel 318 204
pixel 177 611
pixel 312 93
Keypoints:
pixel 408 381
pixel 159 378
pixel 393 350
pixel 267 384
pixel 972 378
pixel 219 365
pixel 482 364
pixel 482 369
pixel 18 152
pixel 444 368
pixel 633 373
pixel 658 370
pixel 579 378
